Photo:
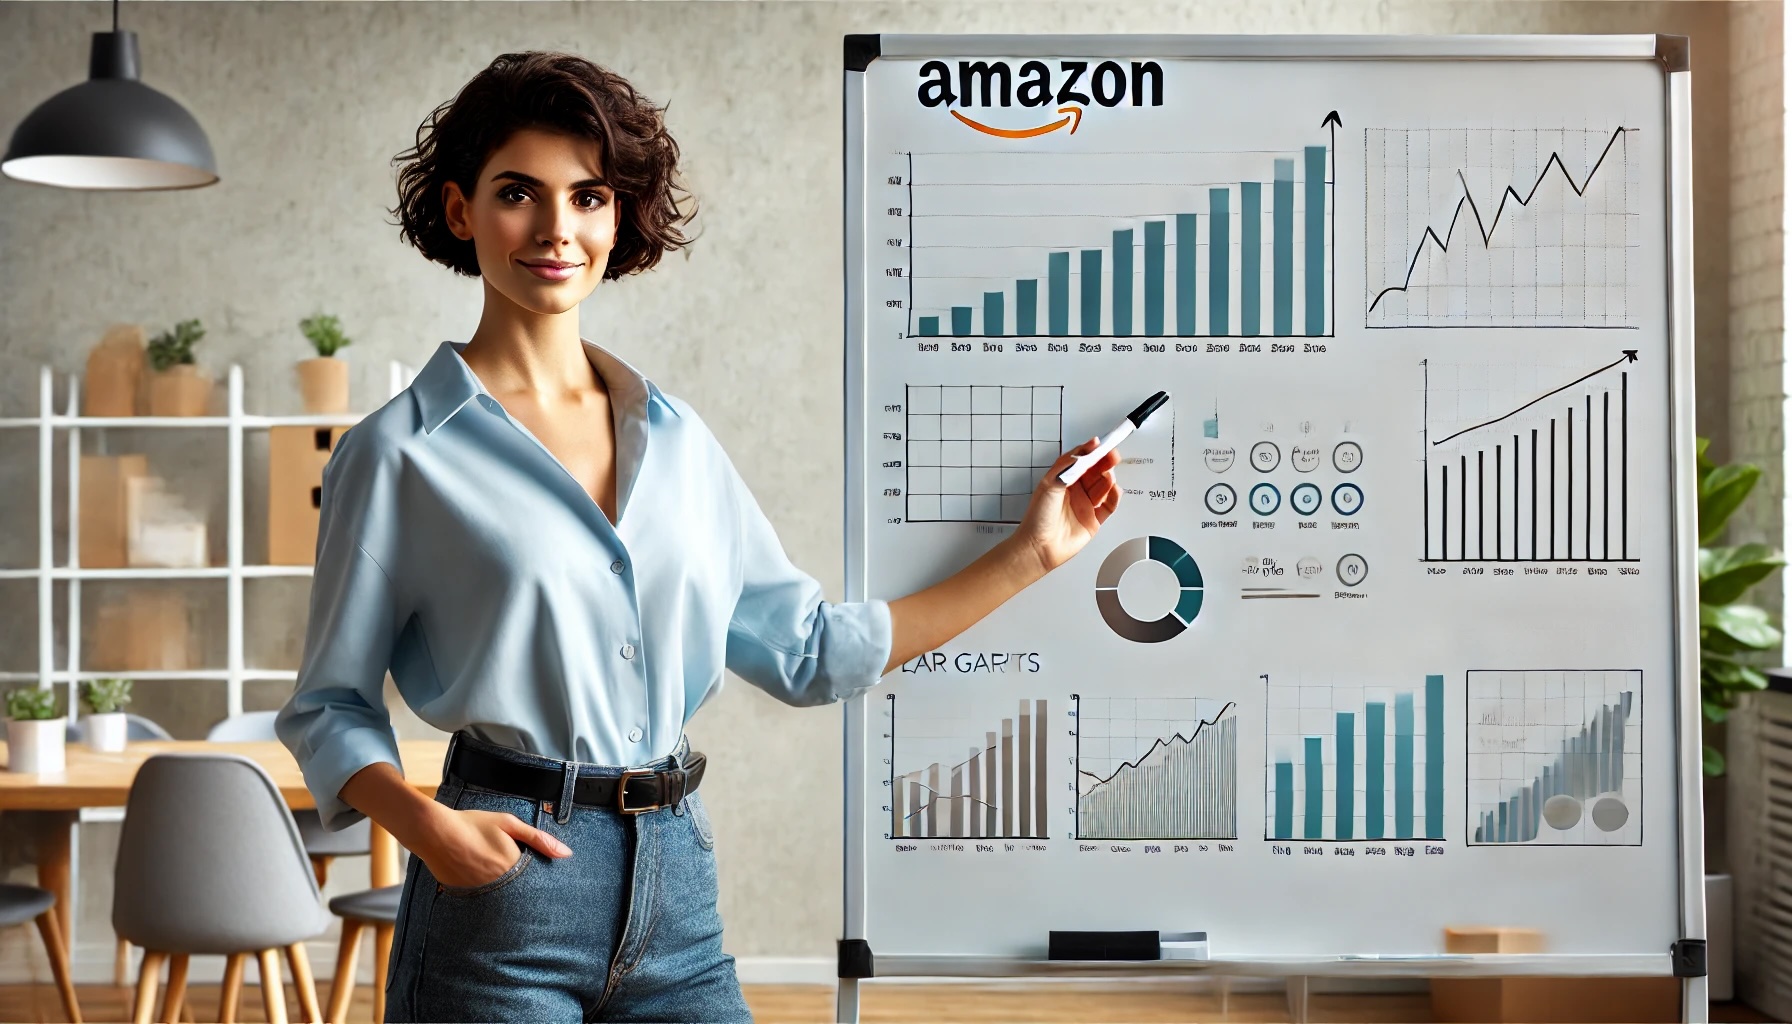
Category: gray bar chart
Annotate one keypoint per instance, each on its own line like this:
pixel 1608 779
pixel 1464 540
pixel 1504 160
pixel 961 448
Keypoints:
pixel 1555 758
pixel 995 790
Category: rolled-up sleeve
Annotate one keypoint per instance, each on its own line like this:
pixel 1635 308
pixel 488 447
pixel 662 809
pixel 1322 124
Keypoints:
pixel 336 721
pixel 783 637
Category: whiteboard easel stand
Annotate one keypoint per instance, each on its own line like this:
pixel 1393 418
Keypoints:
pixel 1686 958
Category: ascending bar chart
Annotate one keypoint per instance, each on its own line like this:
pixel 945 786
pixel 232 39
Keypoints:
pixel 1528 463
pixel 1156 768
pixel 1120 245
pixel 973 785
pixel 1355 762
pixel 1555 758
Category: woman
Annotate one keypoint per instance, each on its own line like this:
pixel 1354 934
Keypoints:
pixel 555 560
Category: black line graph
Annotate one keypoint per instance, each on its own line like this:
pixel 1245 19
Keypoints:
pixel 1486 227
pixel 1156 768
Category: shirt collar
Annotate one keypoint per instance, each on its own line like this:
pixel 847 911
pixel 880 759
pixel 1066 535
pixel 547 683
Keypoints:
pixel 445 383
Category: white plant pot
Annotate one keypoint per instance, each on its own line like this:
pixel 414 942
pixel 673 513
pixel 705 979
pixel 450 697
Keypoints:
pixel 1720 984
pixel 107 732
pixel 35 746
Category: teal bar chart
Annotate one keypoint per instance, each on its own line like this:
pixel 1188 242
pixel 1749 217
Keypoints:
pixel 988 229
pixel 1333 774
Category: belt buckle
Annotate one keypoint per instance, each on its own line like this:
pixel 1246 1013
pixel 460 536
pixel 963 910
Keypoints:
pixel 622 806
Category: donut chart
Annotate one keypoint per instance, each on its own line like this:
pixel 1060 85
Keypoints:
pixel 1165 552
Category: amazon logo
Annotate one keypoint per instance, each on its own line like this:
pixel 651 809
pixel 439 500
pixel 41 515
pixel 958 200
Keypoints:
pixel 1069 90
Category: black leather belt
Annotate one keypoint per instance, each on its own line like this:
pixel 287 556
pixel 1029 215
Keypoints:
pixel 632 792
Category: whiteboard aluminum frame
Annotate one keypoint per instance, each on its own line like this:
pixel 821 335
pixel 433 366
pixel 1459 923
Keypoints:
pixel 1671 51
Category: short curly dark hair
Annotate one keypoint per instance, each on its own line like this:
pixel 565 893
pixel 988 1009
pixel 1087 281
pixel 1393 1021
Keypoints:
pixel 558 92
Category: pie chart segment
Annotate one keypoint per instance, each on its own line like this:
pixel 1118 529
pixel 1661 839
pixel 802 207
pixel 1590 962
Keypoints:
pixel 1175 619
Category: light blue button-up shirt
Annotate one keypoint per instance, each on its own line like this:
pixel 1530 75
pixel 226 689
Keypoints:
pixel 456 552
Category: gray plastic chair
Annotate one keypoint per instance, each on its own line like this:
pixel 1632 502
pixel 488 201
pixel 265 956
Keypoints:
pixel 23 903
pixel 209 862
pixel 375 908
pixel 137 729
pixel 321 844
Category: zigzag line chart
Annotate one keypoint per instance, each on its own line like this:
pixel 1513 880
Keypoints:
pixel 1495 227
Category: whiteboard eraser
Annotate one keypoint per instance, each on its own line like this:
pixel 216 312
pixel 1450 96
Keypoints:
pixel 1182 946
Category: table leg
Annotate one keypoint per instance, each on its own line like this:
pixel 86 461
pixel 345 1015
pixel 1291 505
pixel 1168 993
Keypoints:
pixel 382 868
pixel 55 872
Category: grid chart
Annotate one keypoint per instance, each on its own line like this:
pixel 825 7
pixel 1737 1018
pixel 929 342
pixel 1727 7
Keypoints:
pixel 1156 768
pixel 1355 762
pixel 976 452
pixel 1555 758
pixel 1495 227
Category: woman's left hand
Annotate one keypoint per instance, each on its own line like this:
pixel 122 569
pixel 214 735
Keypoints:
pixel 1061 519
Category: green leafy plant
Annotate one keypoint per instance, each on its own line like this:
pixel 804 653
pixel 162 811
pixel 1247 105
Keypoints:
pixel 325 333
pixel 105 696
pixel 31 704
pixel 1729 629
pixel 175 347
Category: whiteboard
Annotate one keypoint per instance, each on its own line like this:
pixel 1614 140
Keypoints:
pixel 1390 631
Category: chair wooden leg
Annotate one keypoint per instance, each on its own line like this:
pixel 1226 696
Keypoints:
pixel 51 930
pixel 232 989
pixel 177 988
pixel 300 963
pixel 320 866
pixel 121 967
pixel 342 986
pixel 273 996
pixel 382 952
pixel 149 976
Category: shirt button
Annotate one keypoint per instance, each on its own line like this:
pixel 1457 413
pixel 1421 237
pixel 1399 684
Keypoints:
pixel 617 567
pixel 634 735
pixel 628 652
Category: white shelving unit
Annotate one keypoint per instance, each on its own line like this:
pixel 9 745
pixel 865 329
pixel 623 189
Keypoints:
pixel 235 423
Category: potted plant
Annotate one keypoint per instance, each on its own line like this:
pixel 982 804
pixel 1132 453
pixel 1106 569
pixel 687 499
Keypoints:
pixel 323 381
pixel 34 731
pixel 177 388
pixel 1728 628
pixel 1729 631
pixel 107 725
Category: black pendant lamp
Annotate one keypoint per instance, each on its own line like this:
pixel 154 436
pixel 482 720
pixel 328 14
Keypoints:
pixel 111 131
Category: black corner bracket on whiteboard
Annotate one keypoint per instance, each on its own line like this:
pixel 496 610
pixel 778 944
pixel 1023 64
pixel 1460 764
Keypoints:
pixel 861 50
pixel 855 954
pixel 1674 51
pixel 1689 958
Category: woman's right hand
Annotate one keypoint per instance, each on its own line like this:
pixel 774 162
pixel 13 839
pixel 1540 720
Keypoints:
pixel 470 848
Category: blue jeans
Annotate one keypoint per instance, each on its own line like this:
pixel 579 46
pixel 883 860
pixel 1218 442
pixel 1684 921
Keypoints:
pixel 626 929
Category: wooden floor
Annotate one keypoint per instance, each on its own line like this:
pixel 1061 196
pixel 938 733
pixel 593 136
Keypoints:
pixel 881 1004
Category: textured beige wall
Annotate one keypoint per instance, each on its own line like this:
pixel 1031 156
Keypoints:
pixel 305 104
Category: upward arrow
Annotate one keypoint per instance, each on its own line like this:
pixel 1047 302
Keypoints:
pixel 1335 122
pixel 1629 356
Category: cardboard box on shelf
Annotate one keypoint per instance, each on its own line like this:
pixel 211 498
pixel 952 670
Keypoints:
pixel 147 629
pixel 296 458
pixel 1532 999
pixel 163 531
pixel 106 508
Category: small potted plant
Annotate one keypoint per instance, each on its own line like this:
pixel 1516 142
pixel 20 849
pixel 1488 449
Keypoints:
pixel 107 724
pixel 323 381
pixel 177 388
pixel 34 731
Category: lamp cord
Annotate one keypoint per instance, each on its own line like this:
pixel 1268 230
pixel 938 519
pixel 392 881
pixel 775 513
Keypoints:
pixel 114 15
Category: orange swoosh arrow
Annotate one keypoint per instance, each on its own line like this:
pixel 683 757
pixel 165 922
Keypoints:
pixel 1074 120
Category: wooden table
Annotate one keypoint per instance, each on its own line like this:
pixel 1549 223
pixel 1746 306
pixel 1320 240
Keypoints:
pixel 104 780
